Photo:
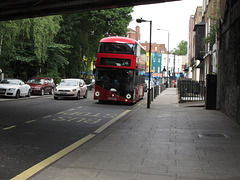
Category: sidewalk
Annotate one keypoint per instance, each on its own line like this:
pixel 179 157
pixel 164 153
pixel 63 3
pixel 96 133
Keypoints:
pixel 169 141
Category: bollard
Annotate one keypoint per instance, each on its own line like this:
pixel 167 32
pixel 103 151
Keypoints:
pixel 151 94
pixel 155 92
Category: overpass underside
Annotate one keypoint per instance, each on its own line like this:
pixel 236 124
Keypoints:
pixel 20 9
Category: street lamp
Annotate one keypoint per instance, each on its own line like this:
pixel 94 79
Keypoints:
pixel 164 72
pixel 167 53
pixel 150 54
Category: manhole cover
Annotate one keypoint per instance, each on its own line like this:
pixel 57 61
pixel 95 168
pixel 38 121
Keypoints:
pixel 217 135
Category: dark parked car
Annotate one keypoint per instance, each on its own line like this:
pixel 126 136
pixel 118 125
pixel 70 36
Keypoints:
pixel 89 83
pixel 41 85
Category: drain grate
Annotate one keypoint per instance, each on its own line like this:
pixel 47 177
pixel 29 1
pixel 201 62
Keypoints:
pixel 213 135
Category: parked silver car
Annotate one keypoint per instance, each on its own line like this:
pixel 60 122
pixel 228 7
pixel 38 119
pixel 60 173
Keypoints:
pixel 71 88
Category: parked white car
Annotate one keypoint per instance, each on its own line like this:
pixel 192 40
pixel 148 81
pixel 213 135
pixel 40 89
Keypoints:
pixel 71 88
pixel 14 88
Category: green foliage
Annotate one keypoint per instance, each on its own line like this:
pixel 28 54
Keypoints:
pixel 181 49
pixel 213 29
pixel 25 44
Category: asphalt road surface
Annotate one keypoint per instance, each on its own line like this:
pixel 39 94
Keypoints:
pixel 33 129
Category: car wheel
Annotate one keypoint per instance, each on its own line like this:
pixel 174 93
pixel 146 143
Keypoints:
pixel 42 92
pixel 29 93
pixel 86 94
pixel 17 94
pixel 51 92
pixel 55 97
pixel 78 95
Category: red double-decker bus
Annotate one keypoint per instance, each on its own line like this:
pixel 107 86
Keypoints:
pixel 120 70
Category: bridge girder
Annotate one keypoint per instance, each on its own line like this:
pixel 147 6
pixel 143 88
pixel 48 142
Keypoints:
pixel 20 9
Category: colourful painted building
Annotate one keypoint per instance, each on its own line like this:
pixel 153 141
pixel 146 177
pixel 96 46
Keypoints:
pixel 156 63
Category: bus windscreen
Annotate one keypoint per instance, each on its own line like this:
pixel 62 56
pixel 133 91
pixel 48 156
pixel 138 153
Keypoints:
pixel 119 79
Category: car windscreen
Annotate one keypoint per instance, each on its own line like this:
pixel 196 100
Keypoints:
pixel 65 82
pixel 10 81
pixel 36 81
pixel 117 48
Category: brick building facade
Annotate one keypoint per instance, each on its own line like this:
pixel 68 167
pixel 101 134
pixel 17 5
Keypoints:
pixel 156 48
pixel 134 34
pixel 229 59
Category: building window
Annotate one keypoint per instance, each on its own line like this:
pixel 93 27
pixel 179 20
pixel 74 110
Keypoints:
pixel 153 68
pixel 158 69
pixel 159 59
pixel 155 48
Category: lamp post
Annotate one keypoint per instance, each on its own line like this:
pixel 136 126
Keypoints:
pixel 1 75
pixel 150 54
pixel 167 53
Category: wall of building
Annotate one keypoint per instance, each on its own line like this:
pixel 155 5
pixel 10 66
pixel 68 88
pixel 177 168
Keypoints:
pixel 229 59
pixel 190 40
pixel 194 61
pixel 156 62
pixel 155 48
pixel 134 34
pixel 164 61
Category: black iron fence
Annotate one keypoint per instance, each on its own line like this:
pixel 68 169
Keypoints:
pixel 190 90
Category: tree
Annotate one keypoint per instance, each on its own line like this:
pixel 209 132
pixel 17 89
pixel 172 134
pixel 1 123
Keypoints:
pixel 24 47
pixel 84 30
pixel 181 49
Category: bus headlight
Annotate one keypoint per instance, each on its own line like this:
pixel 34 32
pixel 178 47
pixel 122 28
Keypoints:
pixel 97 93
pixel 128 96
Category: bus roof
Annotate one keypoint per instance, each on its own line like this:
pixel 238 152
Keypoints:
pixel 118 39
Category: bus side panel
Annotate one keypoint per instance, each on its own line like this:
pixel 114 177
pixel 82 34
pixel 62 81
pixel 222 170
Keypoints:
pixel 139 93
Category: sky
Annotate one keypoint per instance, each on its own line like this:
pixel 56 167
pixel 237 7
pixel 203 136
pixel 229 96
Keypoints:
pixel 171 16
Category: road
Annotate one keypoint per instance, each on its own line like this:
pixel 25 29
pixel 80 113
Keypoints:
pixel 33 129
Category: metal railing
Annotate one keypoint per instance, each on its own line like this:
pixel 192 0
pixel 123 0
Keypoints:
pixel 190 90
